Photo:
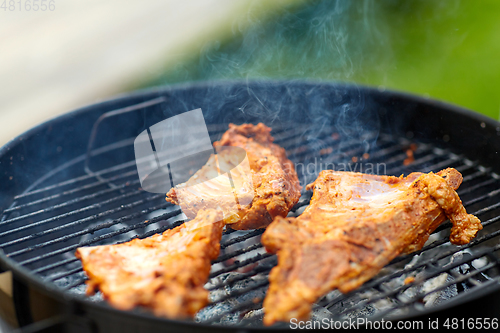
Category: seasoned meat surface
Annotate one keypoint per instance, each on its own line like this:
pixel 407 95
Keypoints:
pixel 165 272
pixel 269 188
pixel 355 225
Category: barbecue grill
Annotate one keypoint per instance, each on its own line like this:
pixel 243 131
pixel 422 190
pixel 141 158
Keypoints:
pixel 73 182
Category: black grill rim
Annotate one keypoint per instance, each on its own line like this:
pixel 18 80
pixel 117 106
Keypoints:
pixel 25 275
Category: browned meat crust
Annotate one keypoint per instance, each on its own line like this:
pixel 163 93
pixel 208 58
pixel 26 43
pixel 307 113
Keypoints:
pixel 354 226
pixel 165 272
pixel 273 182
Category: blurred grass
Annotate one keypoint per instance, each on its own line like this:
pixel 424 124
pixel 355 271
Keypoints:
pixel 448 50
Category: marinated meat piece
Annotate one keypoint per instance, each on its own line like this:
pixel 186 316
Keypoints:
pixel 355 225
pixel 165 272
pixel 270 188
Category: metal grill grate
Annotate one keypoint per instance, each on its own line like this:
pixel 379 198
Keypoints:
pixel 71 208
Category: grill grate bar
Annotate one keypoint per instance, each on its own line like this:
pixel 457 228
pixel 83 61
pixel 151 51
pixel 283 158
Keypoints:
pixel 77 222
pixel 94 195
pixel 379 153
pixel 241 238
pixel 77 179
pixel 473 243
pixel 437 243
pixel 78 189
pixel 120 144
pixel 242 306
pixel 92 241
pixel 464 167
pixel 487 209
pixel 240 292
pixel 448 225
pixel 421 295
pixel 57 217
pixel 419 161
pixel 126 185
pixel 227 256
pixel 84 187
pixel 470 189
pixel 248 305
pixel 56 265
pixel 240 277
pixel 125 230
pixel 64 274
pixel 431 261
pixel 484 197
pixel 479 173
pixel 287 139
pixel 389 150
pixel 490 221
pixel 239 264
pixel 103 225
pixel 467 178
pixel 404 287
pixel 304 151
pixel 443 164
pixel 367 285
pixel 457 279
pixel 396 159
pixel 75 284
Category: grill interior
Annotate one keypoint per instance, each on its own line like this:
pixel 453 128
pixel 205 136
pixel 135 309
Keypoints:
pixel 73 206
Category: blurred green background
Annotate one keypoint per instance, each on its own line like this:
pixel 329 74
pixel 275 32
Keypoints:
pixel 448 50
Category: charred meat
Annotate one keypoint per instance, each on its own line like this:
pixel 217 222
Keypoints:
pixel 165 273
pixel 269 187
pixel 355 225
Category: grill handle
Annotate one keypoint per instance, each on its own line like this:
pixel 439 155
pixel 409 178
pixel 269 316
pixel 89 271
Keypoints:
pixel 108 114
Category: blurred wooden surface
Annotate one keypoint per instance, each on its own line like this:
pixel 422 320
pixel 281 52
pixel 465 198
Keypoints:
pixel 7 312
pixel 52 62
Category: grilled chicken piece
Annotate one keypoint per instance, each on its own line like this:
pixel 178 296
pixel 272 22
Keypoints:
pixel 355 225
pixel 269 189
pixel 165 272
